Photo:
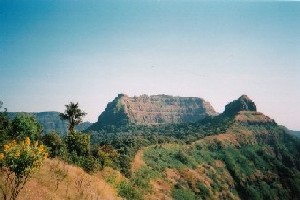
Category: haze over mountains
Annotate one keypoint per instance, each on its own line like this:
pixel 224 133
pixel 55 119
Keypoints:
pixel 51 121
pixel 146 110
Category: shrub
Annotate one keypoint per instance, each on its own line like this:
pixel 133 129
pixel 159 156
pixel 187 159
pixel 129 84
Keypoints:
pixel 127 191
pixel 88 163
pixel 182 194
pixel 106 155
pixel 18 162
pixel 23 126
pixel 55 143
pixel 78 143
pixel 142 178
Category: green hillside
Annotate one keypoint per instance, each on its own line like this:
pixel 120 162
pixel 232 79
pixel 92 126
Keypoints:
pixel 239 154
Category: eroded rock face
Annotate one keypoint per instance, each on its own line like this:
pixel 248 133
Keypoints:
pixel 156 109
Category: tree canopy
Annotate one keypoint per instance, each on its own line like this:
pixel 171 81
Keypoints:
pixel 73 114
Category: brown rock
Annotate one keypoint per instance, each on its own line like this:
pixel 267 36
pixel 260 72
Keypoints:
pixel 156 109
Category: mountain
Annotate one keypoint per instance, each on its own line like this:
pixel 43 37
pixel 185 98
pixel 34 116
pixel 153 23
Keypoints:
pixel 295 133
pixel 243 103
pixel 244 111
pixel 155 109
pixel 50 121
pixel 239 154
pixel 253 159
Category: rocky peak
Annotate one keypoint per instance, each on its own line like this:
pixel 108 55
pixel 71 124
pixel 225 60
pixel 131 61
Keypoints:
pixel 244 103
pixel 155 109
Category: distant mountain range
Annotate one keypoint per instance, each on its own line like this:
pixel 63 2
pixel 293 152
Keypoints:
pixel 50 121
pixel 147 110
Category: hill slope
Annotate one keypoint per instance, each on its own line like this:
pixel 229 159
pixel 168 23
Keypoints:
pixel 253 159
pixel 58 180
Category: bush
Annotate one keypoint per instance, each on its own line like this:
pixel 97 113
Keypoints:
pixel 106 155
pixel 23 126
pixel 78 143
pixel 127 191
pixel 204 192
pixel 18 162
pixel 142 178
pixel 88 163
pixel 55 143
pixel 182 194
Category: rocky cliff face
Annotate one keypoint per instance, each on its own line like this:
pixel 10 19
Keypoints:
pixel 156 109
pixel 244 103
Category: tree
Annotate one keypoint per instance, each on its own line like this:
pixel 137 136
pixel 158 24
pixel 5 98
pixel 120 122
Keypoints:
pixel 4 124
pixel 55 143
pixel 25 125
pixel 78 143
pixel 73 114
pixel 17 163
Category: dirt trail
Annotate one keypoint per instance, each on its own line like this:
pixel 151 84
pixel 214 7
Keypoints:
pixel 138 161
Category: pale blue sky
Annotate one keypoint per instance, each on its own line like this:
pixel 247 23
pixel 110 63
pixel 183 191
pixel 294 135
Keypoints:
pixel 53 52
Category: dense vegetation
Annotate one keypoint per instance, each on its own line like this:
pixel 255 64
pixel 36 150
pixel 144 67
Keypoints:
pixel 258 167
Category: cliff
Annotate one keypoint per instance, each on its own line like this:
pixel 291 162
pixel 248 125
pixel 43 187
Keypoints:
pixel 155 109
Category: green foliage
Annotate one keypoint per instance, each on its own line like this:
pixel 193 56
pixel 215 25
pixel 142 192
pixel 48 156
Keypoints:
pixel 268 169
pixel 78 143
pixel 88 163
pixel 73 114
pixel 204 192
pixel 125 164
pixel 182 194
pixel 106 155
pixel 4 125
pixel 25 125
pixel 55 143
pixel 127 191
pixel 141 178
pixel 128 139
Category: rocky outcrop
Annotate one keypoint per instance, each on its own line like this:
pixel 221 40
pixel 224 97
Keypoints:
pixel 244 103
pixel 244 111
pixel 156 109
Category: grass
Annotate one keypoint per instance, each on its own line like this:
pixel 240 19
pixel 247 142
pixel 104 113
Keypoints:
pixel 76 184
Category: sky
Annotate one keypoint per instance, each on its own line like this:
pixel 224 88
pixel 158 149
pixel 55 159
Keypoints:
pixel 56 51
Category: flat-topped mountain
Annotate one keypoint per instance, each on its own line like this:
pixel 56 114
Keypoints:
pixel 155 109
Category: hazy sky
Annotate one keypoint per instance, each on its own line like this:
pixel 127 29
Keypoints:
pixel 53 52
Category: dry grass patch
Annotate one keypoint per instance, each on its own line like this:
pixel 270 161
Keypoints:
pixel 50 183
pixel 138 161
